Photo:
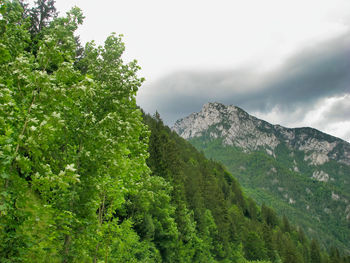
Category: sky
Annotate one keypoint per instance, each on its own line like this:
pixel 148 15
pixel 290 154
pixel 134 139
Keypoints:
pixel 287 62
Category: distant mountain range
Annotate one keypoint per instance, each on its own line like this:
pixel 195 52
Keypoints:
pixel 303 173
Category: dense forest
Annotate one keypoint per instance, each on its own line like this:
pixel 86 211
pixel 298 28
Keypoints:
pixel 243 230
pixel 259 180
pixel 85 176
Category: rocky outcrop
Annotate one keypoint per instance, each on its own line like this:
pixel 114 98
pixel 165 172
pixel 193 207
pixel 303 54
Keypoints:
pixel 320 176
pixel 237 128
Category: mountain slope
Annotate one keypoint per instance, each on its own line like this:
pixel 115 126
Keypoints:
pixel 228 225
pixel 303 173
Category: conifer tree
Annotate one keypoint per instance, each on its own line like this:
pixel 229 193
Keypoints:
pixel 43 12
pixel 315 254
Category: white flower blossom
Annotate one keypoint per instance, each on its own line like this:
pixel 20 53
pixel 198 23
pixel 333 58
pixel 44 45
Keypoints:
pixel 70 167
pixel 56 115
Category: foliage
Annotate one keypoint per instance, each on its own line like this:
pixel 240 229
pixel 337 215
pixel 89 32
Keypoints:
pixel 70 144
pixel 275 181
pixel 229 223
pixel 83 180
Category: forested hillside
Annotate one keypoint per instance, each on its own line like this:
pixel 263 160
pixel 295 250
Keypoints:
pixel 242 229
pixel 302 173
pixel 316 206
pixel 85 178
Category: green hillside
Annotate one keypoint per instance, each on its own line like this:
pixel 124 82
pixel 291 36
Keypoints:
pixel 243 227
pixel 86 177
pixel 301 172
pixel 307 202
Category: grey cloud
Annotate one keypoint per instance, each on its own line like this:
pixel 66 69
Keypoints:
pixel 181 93
pixel 347 136
pixel 339 111
pixel 310 75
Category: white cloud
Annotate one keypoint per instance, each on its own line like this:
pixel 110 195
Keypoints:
pixel 311 88
pixel 316 117
pixel 206 34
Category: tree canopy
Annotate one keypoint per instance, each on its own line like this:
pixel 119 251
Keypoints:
pixel 86 177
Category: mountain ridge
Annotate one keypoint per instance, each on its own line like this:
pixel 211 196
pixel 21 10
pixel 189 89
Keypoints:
pixel 301 172
pixel 234 125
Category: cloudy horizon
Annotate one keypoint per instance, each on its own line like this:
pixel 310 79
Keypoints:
pixel 286 62
pixel 310 89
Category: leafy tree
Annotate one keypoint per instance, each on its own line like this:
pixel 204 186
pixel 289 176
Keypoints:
pixel 70 141
pixel 78 182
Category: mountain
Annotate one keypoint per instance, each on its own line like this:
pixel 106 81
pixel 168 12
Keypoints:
pixel 302 172
pixel 216 221
pixel 84 178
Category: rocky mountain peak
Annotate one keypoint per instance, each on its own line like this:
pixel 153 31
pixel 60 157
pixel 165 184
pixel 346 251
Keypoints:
pixel 237 128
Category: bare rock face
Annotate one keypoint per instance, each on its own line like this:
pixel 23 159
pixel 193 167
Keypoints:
pixel 237 128
pixel 231 123
pixel 320 176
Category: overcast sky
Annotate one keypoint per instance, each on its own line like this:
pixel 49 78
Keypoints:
pixel 287 62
